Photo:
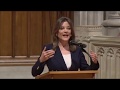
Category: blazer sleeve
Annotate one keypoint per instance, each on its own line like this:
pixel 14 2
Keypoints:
pixel 94 66
pixel 38 68
pixel 85 66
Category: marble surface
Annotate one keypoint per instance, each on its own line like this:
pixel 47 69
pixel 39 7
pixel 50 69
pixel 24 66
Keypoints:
pixel 17 72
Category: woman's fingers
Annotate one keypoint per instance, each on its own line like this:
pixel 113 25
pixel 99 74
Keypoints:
pixel 48 54
pixel 94 56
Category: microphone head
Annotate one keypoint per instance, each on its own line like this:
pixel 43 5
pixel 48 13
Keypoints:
pixel 77 40
pixel 83 45
pixel 72 42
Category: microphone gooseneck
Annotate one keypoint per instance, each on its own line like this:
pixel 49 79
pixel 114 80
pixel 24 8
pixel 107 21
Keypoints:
pixel 78 44
pixel 82 46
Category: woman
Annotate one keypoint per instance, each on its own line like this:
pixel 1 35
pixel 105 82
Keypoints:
pixel 61 55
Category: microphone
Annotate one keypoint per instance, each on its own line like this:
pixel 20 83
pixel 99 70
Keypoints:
pixel 72 42
pixel 82 46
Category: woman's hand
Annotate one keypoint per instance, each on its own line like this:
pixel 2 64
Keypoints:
pixel 94 57
pixel 46 54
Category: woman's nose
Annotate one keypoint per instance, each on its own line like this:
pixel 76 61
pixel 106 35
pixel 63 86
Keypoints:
pixel 66 29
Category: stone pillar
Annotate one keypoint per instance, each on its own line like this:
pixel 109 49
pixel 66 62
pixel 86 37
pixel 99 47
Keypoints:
pixel 112 25
pixel 88 18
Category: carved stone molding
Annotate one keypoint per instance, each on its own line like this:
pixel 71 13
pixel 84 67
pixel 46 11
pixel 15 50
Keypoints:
pixel 85 31
pixel 17 61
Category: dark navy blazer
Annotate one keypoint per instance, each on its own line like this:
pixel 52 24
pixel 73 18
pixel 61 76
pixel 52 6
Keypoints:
pixel 57 62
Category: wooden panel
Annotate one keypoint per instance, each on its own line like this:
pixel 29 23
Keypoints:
pixel 53 19
pixel 5 33
pixel 46 27
pixel 69 14
pixel 21 33
pixel 35 32
pixel 49 21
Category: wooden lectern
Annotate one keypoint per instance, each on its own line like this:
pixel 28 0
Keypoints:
pixel 90 74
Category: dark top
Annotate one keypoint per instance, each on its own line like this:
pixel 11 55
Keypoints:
pixel 57 62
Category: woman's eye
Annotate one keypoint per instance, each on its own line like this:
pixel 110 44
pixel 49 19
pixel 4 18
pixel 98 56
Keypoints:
pixel 69 28
pixel 61 28
pixel 64 28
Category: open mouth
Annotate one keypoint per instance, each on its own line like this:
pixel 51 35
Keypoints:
pixel 65 35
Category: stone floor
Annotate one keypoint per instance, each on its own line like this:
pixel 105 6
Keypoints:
pixel 17 72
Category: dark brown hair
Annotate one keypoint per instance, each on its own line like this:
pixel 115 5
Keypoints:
pixel 58 25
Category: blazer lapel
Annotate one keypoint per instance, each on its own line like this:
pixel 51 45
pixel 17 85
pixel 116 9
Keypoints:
pixel 60 59
pixel 74 65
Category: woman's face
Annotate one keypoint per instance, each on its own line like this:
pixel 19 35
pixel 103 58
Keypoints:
pixel 64 32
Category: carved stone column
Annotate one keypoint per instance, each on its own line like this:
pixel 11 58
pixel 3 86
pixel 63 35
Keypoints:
pixel 88 23
pixel 112 25
pixel 88 18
